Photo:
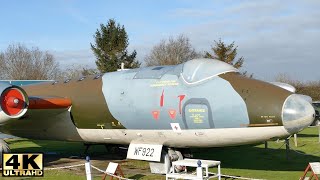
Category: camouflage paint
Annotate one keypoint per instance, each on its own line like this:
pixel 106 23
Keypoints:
pixel 136 93
pixel 89 109
pixel 264 100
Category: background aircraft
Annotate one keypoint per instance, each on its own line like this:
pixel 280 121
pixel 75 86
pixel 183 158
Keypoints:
pixel 200 103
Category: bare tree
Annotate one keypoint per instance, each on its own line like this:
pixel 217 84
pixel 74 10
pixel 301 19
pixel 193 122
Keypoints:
pixel 2 75
pixel 19 62
pixel 310 88
pixel 171 52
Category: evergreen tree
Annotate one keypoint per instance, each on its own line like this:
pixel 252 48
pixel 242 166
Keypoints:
pixel 226 53
pixel 110 48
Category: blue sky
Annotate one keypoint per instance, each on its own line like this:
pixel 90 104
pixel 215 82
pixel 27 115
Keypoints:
pixel 273 36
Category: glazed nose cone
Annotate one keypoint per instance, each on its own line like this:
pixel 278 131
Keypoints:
pixel 297 113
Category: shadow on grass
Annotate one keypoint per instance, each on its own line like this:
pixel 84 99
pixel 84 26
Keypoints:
pixel 308 135
pixel 137 176
pixel 240 157
pixel 54 151
pixel 249 157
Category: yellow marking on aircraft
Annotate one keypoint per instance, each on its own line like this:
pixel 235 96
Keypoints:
pixel 267 117
pixel 197 110
pixel 165 83
pixel 101 125
pixel 197 118
pixel 266 124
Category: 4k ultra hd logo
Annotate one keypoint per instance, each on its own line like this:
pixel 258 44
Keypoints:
pixel 22 164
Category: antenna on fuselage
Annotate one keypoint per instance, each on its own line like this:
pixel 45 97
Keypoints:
pixel 122 67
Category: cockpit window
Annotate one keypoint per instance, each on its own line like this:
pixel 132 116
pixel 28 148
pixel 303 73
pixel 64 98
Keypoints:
pixel 317 105
pixel 198 70
pixel 157 68
pixel 152 72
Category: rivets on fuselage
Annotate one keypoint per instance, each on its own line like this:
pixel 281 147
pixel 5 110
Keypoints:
pixel 82 78
pixel 67 80
pixel 97 76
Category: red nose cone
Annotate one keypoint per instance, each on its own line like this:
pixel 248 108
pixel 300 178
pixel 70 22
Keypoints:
pixel 12 101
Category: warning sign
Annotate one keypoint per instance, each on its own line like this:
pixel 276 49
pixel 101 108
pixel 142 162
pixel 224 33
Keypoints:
pixel 196 116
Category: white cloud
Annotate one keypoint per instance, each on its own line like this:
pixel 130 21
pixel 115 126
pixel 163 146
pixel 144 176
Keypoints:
pixel 256 8
pixel 68 58
pixel 187 12
pixel 273 37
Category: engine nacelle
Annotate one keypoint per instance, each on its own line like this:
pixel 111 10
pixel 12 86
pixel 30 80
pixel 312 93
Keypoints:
pixel 13 102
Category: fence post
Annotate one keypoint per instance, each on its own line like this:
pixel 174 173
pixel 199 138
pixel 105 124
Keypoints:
pixel 88 168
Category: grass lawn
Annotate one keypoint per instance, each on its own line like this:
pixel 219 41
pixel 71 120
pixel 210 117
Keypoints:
pixel 251 161
pixel 271 163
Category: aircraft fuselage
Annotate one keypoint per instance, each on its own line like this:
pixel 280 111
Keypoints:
pixel 188 105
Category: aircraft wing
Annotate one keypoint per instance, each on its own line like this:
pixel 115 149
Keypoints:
pixel 285 86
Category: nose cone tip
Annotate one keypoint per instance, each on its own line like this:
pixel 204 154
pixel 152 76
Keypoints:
pixel 297 113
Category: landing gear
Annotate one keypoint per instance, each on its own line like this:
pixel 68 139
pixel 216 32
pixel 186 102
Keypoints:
pixel 88 145
pixel 120 151
pixel 4 148
pixel 186 152
pixel 175 155
pixel 167 157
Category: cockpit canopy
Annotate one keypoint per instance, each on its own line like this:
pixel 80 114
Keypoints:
pixel 192 71
pixel 198 70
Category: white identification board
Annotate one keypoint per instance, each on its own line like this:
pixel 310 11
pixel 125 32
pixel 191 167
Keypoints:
pixel 315 166
pixel 147 152
pixel 112 167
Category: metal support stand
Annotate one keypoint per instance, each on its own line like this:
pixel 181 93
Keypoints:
pixel 87 148
pixel 266 145
pixel 287 149
pixel 162 167
pixel 295 140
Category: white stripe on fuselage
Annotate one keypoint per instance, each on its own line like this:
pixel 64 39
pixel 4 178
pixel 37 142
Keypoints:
pixel 185 138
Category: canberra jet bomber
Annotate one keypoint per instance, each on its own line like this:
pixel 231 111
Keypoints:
pixel 200 103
